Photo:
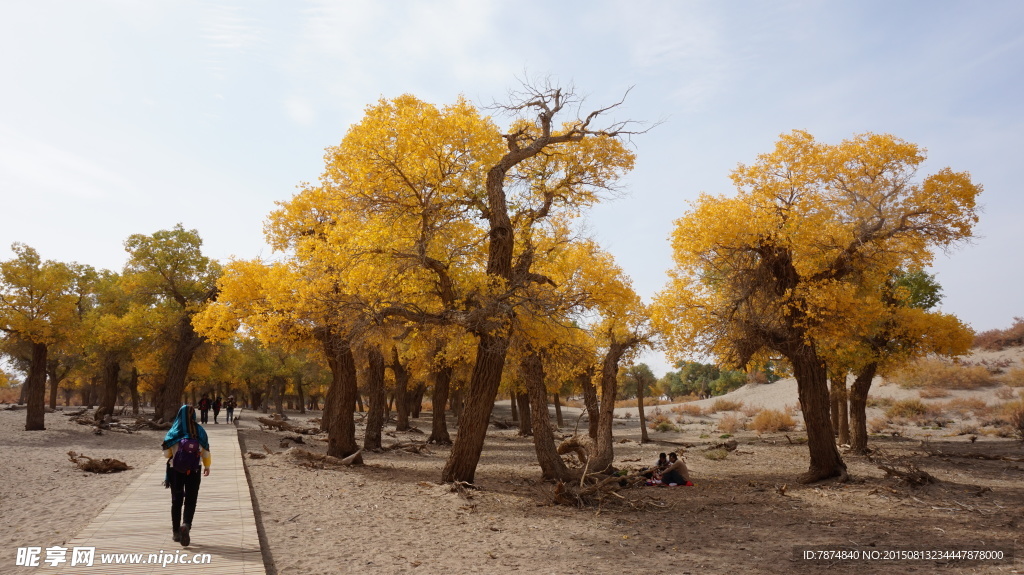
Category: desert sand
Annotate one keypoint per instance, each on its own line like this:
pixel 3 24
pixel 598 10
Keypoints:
pixel 745 514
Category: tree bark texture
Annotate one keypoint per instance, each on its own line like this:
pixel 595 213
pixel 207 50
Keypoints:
pixel 341 397
pixel 812 386
pixel 133 388
pixel 111 371
pixel 644 438
pixel 185 345
pixel 525 415
pixel 604 453
pixel 376 399
pixel 476 415
pixel 858 408
pixel 439 422
pixel 590 401
pixel 416 400
pixel 35 393
pixel 551 464
pixel 402 375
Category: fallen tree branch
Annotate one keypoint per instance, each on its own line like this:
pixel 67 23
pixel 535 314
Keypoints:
pixel 106 465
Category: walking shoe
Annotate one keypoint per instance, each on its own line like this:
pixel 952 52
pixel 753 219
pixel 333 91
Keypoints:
pixel 176 535
pixel 185 539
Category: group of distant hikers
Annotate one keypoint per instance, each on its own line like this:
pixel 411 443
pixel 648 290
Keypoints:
pixel 205 404
pixel 670 471
pixel 187 449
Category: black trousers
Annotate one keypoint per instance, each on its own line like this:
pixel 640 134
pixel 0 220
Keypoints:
pixel 184 491
pixel 204 415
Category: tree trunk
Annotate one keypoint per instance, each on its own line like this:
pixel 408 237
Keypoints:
pixel 111 371
pixel 558 411
pixel 376 398
pixel 551 465
pixel 841 418
pixel 35 389
pixel 359 403
pixel 456 403
pixel 603 451
pixel 300 393
pixel 133 388
pixel 439 423
pixel 341 397
pixel 812 386
pixel 476 416
pixel 644 438
pixel 513 402
pixel 590 401
pixel 416 400
pixel 168 400
pixel 54 383
pixel 858 408
pixel 401 390
pixel 525 416
pixel 277 384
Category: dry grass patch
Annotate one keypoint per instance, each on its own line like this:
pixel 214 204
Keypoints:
pixel 751 411
pixel 725 405
pixel 661 422
pixel 716 454
pixel 688 409
pixel 933 393
pixel 1013 377
pixel 962 406
pixel 771 420
pixel 907 408
pixel 938 373
pixel 1005 393
pixel 877 424
pixel 879 402
pixel 730 423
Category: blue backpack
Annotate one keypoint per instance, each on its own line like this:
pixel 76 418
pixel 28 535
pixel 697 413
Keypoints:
pixel 188 458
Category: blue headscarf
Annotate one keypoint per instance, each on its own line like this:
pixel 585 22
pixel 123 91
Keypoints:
pixel 185 426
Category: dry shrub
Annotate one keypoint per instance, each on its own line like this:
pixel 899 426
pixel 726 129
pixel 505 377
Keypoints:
pixel 997 339
pixel 908 408
pixel 688 409
pixel 577 403
pixel 933 393
pixel 938 373
pixel 877 424
pixel 771 420
pixel 879 402
pixel 9 394
pixel 716 454
pixel 751 411
pixel 725 405
pixel 966 429
pixel 661 422
pixel 1013 377
pixel 1016 413
pixel 965 405
pixel 648 402
pixel 730 423
pixel 793 408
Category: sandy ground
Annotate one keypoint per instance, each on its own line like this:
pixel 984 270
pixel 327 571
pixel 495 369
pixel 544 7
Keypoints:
pixel 745 515
pixel 45 499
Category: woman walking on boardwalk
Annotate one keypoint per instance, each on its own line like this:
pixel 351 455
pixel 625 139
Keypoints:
pixel 186 447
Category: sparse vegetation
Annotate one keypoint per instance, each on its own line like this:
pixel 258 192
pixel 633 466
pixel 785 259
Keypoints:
pixel 907 408
pixel 998 339
pixel 963 406
pixel 933 393
pixel 771 420
pixel 725 405
pixel 1013 377
pixel 661 422
pixel 716 454
pixel 730 423
pixel 688 409
pixel 933 372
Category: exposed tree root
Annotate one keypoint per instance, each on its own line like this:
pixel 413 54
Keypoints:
pixel 282 425
pixel 597 490
pixel 106 465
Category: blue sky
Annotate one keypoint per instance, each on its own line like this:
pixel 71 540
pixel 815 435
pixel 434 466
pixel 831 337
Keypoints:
pixel 123 117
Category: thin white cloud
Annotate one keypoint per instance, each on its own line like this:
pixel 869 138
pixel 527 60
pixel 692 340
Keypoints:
pixel 38 167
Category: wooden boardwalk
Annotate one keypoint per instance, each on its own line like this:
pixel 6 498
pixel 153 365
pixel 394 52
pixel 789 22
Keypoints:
pixel 139 521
